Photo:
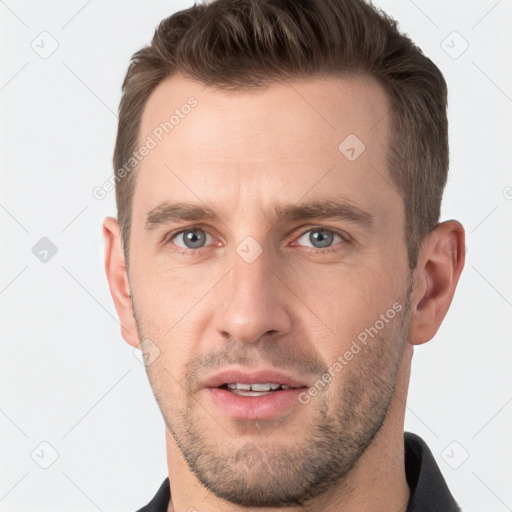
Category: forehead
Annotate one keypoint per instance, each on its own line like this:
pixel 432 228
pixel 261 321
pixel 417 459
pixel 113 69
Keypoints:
pixel 352 104
pixel 211 144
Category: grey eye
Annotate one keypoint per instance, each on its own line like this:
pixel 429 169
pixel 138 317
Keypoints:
pixel 319 238
pixel 191 239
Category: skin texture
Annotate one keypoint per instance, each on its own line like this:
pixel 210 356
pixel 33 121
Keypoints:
pixel 296 307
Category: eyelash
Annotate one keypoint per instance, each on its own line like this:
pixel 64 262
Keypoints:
pixel 195 252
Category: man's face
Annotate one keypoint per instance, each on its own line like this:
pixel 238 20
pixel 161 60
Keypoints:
pixel 264 291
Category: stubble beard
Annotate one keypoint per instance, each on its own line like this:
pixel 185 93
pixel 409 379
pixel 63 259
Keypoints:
pixel 261 473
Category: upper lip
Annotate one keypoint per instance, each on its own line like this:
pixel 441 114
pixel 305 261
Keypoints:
pixel 246 376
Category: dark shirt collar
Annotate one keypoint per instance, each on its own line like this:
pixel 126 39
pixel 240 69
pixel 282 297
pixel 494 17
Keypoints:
pixel 429 492
pixel 161 500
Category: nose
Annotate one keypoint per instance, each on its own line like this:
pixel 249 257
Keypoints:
pixel 252 302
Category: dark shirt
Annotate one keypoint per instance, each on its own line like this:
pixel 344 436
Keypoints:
pixel 429 492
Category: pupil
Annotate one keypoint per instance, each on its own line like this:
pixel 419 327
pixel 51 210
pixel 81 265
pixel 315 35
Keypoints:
pixel 194 239
pixel 321 238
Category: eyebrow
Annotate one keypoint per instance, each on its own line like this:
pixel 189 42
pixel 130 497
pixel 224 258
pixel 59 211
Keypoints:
pixel 344 210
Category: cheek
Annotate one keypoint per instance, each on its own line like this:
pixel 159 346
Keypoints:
pixel 172 310
pixel 166 382
pixel 340 301
pixel 167 295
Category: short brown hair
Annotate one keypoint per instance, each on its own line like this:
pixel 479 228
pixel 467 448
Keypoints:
pixel 240 44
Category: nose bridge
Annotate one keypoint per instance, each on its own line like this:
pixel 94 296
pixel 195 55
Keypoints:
pixel 252 299
pixel 251 279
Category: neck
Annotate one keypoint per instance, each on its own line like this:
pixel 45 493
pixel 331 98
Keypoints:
pixel 377 482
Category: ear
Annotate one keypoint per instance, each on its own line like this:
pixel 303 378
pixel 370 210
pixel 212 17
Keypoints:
pixel 117 276
pixel 440 263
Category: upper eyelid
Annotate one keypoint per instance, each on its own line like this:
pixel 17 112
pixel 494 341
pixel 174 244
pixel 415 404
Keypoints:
pixel 174 234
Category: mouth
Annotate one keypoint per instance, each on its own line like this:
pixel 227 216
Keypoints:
pixel 253 395
pixel 245 381
pixel 255 389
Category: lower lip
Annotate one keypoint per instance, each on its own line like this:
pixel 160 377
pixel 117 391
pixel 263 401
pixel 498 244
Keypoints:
pixel 254 407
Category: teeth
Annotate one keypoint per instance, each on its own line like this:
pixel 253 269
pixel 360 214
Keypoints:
pixel 239 386
pixel 256 387
pixel 261 387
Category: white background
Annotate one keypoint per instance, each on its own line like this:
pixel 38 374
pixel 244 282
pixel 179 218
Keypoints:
pixel 67 377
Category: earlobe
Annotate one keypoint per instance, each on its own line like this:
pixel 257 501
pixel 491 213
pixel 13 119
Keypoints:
pixel 117 277
pixel 440 264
